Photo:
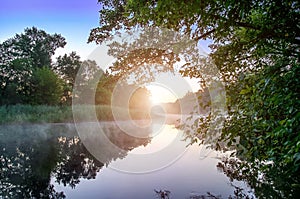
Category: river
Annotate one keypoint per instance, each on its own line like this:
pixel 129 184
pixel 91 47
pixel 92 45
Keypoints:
pixel 60 160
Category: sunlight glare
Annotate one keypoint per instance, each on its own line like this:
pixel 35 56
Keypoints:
pixel 160 94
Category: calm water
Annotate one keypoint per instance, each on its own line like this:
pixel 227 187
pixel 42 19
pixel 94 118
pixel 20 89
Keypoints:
pixel 56 161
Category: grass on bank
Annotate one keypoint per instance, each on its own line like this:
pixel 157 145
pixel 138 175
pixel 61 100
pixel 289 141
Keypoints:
pixel 64 114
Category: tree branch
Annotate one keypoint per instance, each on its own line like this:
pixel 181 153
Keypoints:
pixel 205 35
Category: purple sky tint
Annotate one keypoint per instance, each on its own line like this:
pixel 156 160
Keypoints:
pixel 73 19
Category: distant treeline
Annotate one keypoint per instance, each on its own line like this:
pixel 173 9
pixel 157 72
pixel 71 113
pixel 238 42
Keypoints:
pixel 29 76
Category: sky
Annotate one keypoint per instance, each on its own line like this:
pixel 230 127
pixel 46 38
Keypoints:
pixel 73 19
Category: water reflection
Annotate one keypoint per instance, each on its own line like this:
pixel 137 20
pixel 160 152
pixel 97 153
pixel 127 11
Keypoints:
pixel 163 194
pixel 75 162
pixel 27 160
pixel 51 161
pixel 33 154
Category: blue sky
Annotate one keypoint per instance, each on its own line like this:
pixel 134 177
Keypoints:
pixel 73 19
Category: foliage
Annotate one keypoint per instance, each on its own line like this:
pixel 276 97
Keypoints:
pixel 266 120
pixel 256 50
pixel 200 19
pixel 15 81
pixel 67 67
pixel 104 89
pixel 19 57
pixel 46 87
pixel 135 57
pixel 35 45
pixel 28 76
pixel 86 83
pixel 273 182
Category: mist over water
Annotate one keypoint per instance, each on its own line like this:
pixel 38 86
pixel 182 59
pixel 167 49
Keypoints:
pixel 51 160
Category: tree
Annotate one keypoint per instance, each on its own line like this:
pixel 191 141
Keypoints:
pixel 35 45
pixel 67 67
pixel 86 82
pixel 22 54
pixel 256 49
pixel 46 87
pixel 139 103
pixel 104 89
pixel 14 81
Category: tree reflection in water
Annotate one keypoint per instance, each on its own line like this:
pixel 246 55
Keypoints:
pixel 75 162
pixel 32 154
pixel 238 194
pixel 162 194
pixel 273 183
pixel 27 160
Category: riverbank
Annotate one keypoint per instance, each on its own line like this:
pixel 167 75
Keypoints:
pixel 17 114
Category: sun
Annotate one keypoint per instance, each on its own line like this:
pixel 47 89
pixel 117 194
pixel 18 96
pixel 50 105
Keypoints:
pixel 160 94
